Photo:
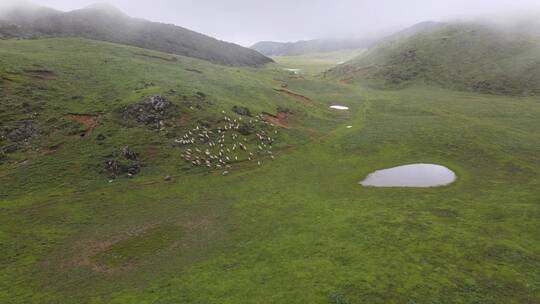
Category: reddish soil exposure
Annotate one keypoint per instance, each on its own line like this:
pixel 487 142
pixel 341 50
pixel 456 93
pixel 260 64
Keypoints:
pixel 40 74
pixel 90 121
pixel 301 98
pixel 282 119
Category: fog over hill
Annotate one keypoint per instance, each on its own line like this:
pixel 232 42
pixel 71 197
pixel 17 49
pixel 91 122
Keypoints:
pixel 247 22
pixel 463 56
pixel 108 23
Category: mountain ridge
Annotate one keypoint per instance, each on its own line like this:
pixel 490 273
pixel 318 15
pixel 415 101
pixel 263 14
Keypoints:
pixel 107 23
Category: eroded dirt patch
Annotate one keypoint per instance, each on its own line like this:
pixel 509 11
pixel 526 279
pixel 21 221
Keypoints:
pixel 300 98
pixel 88 120
pixel 87 249
pixel 40 74
pixel 281 119
pixel 127 250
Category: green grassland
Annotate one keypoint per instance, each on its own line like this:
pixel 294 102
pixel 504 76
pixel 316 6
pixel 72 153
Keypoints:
pixel 297 229
pixel 318 62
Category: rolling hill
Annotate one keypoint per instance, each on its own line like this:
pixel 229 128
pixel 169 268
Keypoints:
pixel 461 56
pixel 107 23
pixel 270 48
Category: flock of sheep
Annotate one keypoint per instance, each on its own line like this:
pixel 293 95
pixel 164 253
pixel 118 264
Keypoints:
pixel 232 141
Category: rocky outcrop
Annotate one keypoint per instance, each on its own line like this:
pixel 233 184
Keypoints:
pixel 153 113
pixel 125 162
pixel 241 111
pixel 16 135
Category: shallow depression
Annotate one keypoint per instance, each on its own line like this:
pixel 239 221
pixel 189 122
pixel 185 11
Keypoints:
pixel 415 175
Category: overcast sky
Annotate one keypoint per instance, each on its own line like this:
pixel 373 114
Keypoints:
pixel 248 21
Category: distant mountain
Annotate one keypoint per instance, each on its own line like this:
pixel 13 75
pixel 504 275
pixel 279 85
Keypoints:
pixel 107 23
pixel 269 48
pixel 463 56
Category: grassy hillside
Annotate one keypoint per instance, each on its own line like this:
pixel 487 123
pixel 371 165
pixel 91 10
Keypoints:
pixel 295 229
pixel 458 56
pixel 106 23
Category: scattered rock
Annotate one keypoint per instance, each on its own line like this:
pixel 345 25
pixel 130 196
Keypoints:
pixel 113 167
pixel 129 154
pixel 158 103
pixel 246 129
pixel 168 178
pixel 10 148
pixel 19 131
pixel 154 112
pixel 241 111
pixel 123 162
pixel 17 135
pixel 197 101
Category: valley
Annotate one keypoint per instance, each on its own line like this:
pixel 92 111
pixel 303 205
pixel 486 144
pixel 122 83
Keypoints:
pixel 144 162
pixel 295 229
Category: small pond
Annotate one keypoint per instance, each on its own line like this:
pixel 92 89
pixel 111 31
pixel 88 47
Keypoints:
pixel 337 107
pixel 415 175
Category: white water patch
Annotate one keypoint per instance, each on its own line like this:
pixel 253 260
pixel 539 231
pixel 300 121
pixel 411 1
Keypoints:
pixel 414 176
pixel 337 107
pixel 295 71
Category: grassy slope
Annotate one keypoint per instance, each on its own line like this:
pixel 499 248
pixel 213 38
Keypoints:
pixel 298 230
pixel 458 56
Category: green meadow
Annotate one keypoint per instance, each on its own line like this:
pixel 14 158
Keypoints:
pixel 296 229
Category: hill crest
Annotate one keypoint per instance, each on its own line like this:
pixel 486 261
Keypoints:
pixel 104 22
